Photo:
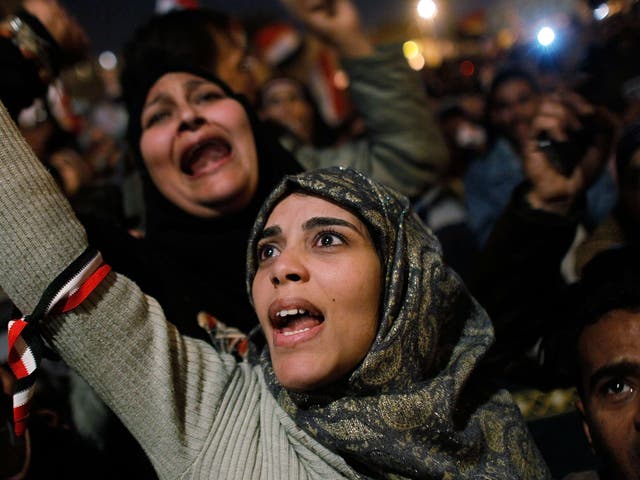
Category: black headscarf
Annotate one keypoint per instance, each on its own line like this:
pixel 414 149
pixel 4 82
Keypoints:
pixel 190 264
pixel 414 407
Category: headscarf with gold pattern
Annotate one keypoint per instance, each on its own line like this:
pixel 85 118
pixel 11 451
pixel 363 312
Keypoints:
pixel 413 408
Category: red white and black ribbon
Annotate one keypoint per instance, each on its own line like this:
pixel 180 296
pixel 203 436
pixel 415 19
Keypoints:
pixel 26 347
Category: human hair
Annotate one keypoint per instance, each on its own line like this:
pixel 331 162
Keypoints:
pixel 179 36
pixel 507 74
pixel 610 281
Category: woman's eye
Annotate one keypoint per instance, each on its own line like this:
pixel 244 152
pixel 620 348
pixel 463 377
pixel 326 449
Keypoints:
pixel 209 95
pixel 329 239
pixel 265 252
pixel 155 118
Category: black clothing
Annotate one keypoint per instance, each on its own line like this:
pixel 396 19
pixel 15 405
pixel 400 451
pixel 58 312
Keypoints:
pixel 19 81
pixel 190 264
pixel 517 279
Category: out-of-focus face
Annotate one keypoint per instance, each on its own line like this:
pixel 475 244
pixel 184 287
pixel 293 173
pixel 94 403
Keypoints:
pixel 609 356
pixel 514 106
pixel 198 146
pixel 284 102
pixel 316 291
pixel 234 66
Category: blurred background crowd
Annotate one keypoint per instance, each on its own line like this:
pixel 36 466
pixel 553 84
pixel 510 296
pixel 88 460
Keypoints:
pixel 493 72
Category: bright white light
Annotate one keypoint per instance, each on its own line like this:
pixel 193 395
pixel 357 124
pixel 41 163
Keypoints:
pixel 108 60
pixel 546 36
pixel 601 12
pixel 427 9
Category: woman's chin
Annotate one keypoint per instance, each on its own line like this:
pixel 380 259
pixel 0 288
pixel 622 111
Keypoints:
pixel 300 378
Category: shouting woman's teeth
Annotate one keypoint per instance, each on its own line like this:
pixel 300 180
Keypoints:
pixel 293 320
pixel 294 332
pixel 292 311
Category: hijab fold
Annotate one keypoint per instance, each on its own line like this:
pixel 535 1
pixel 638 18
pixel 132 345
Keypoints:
pixel 414 407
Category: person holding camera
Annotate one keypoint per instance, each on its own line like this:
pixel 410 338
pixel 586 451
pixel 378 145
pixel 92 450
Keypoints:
pixel 518 273
pixel 515 107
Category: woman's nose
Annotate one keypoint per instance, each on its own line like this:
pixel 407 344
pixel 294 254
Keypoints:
pixel 288 267
pixel 292 277
pixel 190 119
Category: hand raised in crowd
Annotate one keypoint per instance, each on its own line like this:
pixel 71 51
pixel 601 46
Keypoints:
pixel 335 21
pixel 566 125
pixel 66 31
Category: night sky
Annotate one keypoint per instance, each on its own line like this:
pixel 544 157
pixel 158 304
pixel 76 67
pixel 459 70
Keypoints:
pixel 110 23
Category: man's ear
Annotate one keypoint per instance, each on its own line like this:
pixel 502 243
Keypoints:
pixel 585 424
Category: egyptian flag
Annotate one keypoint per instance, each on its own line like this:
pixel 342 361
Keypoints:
pixel 279 43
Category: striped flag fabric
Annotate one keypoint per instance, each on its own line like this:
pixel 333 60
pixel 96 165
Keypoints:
pixel 26 347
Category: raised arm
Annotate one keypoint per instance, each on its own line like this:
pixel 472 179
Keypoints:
pixel 165 389
pixel 335 22
pixel 402 146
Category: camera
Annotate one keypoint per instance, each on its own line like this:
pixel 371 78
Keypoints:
pixel 566 155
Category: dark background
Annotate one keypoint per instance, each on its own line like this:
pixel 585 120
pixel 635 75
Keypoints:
pixel 110 23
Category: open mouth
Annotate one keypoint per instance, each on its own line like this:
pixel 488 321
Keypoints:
pixel 204 155
pixel 293 321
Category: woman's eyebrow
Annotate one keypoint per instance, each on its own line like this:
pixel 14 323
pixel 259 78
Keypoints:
pixel 192 84
pixel 189 86
pixel 315 222
pixel 270 232
pixel 157 99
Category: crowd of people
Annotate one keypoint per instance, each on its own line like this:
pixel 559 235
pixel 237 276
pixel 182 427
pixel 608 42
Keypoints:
pixel 294 294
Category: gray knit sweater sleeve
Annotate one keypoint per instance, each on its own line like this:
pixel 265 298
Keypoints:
pixel 196 413
pixel 39 235
pixel 118 339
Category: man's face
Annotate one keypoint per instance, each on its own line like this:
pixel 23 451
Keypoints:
pixel 609 357
pixel 514 106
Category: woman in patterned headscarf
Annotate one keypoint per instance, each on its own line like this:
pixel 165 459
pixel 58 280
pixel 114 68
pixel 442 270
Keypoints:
pixel 372 342
pixel 411 407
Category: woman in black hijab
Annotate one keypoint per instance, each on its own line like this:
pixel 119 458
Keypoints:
pixel 192 255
